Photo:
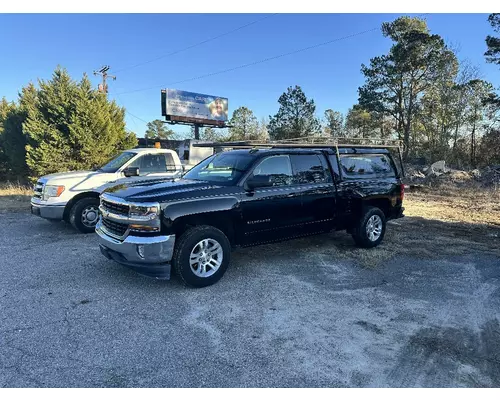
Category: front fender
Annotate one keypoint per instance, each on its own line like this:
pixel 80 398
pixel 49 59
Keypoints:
pixel 174 211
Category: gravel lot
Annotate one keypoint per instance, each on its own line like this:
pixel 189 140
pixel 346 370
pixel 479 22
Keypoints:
pixel 312 312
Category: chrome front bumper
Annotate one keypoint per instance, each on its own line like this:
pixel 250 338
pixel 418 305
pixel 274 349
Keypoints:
pixel 149 256
pixel 45 211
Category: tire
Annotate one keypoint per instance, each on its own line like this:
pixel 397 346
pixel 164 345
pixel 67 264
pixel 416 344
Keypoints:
pixel 370 229
pixel 88 206
pixel 190 246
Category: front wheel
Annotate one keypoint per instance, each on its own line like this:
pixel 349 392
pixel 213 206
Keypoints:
pixel 370 229
pixel 84 214
pixel 201 256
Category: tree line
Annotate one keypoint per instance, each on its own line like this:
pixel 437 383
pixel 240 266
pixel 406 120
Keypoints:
pixel 419 92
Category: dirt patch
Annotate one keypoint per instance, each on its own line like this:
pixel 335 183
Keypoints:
pixel 444 354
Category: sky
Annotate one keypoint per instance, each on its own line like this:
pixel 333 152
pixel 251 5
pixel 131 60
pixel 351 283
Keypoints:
pixel 33 45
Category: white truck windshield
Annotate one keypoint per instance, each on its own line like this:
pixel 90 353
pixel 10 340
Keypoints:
pixel 116 163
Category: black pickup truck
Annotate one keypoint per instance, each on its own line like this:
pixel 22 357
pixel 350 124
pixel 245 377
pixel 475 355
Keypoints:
pixel 246 197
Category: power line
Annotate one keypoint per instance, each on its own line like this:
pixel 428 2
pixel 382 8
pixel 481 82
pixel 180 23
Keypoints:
pixel 135 116
pixel 196 44
pixel 128 112
pixel 261 61
pixel 256 62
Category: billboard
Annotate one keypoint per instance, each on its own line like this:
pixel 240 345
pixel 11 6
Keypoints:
pixel 179 103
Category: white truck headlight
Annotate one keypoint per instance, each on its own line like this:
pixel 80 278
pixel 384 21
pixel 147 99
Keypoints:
pixel 52 191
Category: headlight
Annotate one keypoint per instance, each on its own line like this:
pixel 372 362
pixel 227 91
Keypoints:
pixel 152 212
pixel 52 191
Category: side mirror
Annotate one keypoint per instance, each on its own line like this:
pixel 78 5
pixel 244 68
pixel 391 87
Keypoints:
pixel 131 171
pixel 258 181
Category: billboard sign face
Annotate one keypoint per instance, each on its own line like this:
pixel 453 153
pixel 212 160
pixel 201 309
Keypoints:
pixel 195 105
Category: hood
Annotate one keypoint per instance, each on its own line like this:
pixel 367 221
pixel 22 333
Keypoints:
pixel 67 175
pixel 78 180
pixel 161 190
pixel 132 181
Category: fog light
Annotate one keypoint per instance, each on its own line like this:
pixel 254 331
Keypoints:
pixel 140 250
pixel 144 228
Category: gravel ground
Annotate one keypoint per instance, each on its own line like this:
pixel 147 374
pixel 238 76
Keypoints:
pixel 294 314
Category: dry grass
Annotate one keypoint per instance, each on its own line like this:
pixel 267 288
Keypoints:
pixel 473 205
pixel 437 225
pixel 14 197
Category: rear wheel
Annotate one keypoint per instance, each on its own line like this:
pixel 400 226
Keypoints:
pixel 84 214
pixel 201 256
pixel 370 229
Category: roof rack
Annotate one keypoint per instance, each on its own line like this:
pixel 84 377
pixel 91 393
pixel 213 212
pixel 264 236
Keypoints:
pixel 309 142
pixel 315 142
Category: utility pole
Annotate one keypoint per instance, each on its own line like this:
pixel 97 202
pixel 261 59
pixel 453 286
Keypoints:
pixel 103 87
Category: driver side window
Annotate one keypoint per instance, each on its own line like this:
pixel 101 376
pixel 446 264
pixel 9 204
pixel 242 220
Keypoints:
pixel 278 169
pixel 150 164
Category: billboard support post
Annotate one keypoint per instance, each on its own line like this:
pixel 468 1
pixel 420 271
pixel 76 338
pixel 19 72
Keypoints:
pixel 197 131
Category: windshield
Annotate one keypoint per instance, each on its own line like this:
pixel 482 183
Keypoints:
pixel 116 163
pixel 223 168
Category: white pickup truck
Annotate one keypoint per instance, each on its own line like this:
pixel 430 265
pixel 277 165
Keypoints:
pixel 74 196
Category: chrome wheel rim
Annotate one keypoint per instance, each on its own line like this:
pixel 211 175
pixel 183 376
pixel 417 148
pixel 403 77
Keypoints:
pixel 206 258
pixel 374 228
pixel 90 215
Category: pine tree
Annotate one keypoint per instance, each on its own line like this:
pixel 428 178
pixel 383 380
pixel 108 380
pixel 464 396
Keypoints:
pixel 295 117
pixel 4 112
pixel 70 126
pixel 359 122
pixel 244 125
pixel 396 82
pixel 12 138
pixel 158 130
pixel 493 42
pixel 334 123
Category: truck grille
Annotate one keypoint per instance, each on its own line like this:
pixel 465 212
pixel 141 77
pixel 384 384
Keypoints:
pixel 38 190
pixel 115 228
pixel 116 220
pixel 115 208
